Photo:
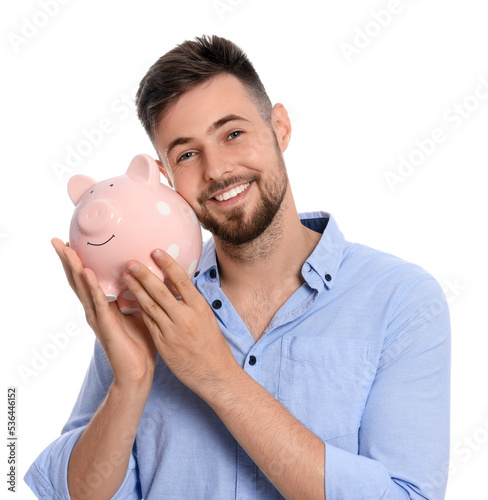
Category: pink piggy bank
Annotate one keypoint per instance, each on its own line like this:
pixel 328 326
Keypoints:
pixel 127 217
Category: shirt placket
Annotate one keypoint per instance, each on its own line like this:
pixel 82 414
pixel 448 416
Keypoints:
pixel 250 356
pixel 245 352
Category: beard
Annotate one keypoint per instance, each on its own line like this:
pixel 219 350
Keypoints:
pixel 235 230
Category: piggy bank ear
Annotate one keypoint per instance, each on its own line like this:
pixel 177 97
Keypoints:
pixel 143 170
pixel 78 185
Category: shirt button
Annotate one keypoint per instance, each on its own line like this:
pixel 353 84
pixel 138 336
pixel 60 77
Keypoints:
pixel 252 360
pixel 213 273
pixel 328 277
pixel 217 304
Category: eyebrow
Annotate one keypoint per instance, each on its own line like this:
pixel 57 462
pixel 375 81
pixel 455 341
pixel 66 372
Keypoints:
pixel 213 127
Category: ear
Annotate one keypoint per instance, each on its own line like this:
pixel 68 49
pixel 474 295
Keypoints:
pixel 78 185
pixel 281 125
pixel 143 170
pixel 168 175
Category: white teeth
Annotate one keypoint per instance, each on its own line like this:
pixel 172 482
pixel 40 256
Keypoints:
pixel 232 193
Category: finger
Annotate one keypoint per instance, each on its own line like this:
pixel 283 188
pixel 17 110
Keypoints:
pixel 104 312
pixel 177 275
pixel 153 329
pixel 111 330
pixel 59 247
pixel 99 299
pixel 76 267
pixel 151 293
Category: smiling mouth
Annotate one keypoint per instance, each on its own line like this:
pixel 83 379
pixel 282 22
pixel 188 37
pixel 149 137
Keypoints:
pixel 100 244
pixel 232 193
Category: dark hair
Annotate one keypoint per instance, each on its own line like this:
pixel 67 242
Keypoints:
pixel 188 65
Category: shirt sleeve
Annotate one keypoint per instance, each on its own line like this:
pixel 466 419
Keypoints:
pixel 47 477
pixel 404 432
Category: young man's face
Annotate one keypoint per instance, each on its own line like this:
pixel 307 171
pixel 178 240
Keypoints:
pixel 224 159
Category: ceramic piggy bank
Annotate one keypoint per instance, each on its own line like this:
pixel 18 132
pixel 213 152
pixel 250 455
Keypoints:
pixel 127 217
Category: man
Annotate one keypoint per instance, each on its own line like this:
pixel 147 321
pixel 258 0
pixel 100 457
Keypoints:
pixel 295 365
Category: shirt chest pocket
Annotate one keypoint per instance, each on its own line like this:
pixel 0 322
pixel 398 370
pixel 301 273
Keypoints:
pixel 324 382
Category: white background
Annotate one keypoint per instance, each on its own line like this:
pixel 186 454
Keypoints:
pixel 352 117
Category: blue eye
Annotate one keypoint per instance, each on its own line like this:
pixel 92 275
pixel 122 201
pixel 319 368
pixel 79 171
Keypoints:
pixel 185 156
pixel 234 134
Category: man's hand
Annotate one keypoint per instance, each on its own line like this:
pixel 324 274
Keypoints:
pixel 125 339
pixel 188 338
pixel 185 332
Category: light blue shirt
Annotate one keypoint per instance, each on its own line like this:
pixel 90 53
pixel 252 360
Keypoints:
pixel 360 354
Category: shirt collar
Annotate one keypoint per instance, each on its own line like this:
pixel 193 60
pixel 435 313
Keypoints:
pixel 326 258
pixel 321 267
pixel 208 261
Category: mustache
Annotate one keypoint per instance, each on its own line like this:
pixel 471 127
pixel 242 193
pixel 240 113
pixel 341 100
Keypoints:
pixel 219 185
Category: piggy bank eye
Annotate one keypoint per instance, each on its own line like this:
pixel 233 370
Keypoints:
pixel 91 191
pixel 111 185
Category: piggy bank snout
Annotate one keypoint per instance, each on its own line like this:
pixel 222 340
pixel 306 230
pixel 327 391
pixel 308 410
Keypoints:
pixel 96 216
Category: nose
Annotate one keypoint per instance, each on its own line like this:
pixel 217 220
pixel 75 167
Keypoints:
pixel 216 163
pixel 96 216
